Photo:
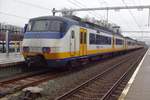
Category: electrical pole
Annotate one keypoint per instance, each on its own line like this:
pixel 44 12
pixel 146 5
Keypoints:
pixel 149 18
pixel 107 15
pixel 7 42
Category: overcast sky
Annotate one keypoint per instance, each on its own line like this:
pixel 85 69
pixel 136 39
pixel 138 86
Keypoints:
pixel 18 12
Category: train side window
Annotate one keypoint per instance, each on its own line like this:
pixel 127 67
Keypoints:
pixel 92 38
pixel 109 40
pixel 119 41
pixel 72 34
pixel 98 31
pixel 97 39
pixel 104 40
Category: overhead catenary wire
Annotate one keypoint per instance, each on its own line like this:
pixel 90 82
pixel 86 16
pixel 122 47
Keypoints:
pixel 24 3
pixel 132 15
pixel 103 2
pixel 32 5
pixel 77 5
pixel 9 14
pixel 133 18
pixel 139 2
pixel 92 11
pixel 121 18
pixel 80 6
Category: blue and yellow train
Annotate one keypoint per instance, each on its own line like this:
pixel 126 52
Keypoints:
pixel 63 39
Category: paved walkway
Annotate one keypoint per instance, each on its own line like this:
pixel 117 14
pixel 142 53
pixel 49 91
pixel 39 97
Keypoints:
pixel 11 58
pixel 138 88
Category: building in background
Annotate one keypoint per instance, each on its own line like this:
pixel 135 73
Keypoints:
pixel 15 37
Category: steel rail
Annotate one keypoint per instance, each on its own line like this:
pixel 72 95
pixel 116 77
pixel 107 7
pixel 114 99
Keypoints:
pixel 91 80
pixel 116 84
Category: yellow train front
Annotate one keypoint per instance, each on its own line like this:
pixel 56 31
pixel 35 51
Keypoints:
pixel 59 40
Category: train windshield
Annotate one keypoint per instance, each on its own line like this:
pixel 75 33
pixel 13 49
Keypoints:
pixel 46 26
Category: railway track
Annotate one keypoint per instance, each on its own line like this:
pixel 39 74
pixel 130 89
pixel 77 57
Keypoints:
pixel 13 84
pixel 114 92
pixel 108 84
pixel 8 71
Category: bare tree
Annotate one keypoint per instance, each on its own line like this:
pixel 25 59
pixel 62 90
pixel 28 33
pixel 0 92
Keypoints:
pixel 67 13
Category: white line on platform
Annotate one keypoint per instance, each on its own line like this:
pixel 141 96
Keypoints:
pixel 126 89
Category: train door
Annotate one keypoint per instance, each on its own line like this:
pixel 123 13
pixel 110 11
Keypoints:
pixel 113 41
pixel 72 43
pixel 126 44
pixel 83 41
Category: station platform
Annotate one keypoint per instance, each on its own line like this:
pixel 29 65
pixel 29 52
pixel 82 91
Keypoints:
pixel 138 87
pixel 12 58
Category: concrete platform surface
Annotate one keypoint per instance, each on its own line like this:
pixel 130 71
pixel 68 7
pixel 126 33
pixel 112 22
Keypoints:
pixel 138 88
pixel 11 58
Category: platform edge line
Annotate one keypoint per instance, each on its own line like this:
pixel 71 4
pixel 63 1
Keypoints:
pixel 130 82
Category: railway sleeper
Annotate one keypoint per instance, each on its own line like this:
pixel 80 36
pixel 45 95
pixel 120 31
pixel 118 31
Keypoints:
pixel 79 97
pixel 88 93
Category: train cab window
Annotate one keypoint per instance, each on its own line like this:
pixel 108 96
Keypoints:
pixel 55 26
pixel 29 26
pixel 45 25
pixel 40 25
pixel 72 34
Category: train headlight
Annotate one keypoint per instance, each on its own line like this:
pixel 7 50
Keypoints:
pixel 46 49
pixel 25 49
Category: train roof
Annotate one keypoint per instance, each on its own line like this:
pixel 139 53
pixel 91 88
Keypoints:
pixel 56 18
pixel 128 38
pixel 92 25
pixel 131 39
pixel 74 20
